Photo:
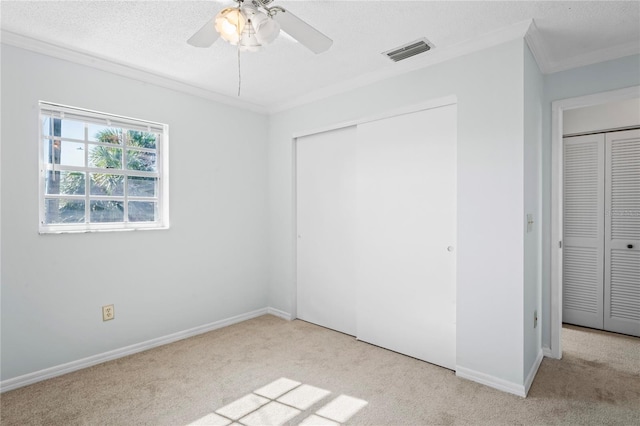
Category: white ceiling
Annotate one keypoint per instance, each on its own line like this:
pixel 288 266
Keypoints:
pixel 151 36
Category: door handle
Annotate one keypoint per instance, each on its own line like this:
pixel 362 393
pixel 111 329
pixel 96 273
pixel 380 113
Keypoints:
pixel 629 245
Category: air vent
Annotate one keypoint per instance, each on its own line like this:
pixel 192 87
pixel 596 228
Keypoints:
pixel 408 50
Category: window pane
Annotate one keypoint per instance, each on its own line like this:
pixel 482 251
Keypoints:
pixel 106 211
pixel 63 211
pixel 105 134
pixel 47 145
pixel 106 184
pixel 99 168
pixel 72 129
pixel 47 129
pixel 141 186
pixel 64 153
pixel 142 139
pixel 142 211
pixel 67 183
pixel 105 157
pixel 141 160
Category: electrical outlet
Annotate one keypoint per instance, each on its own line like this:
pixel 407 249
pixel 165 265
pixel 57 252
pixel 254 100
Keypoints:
pixel 535 318
pixel 108 313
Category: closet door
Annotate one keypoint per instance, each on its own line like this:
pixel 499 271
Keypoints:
pixel 583 221
pixel 622 236
pixel 325 194
pixel 406 234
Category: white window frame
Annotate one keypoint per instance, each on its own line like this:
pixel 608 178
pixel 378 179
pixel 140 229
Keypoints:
pixel 54 110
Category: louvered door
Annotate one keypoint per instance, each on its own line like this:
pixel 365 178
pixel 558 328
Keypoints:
pixel 583 220
pixel 622 233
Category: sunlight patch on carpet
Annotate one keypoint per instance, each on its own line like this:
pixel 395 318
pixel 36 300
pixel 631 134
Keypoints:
pixel 273 413
pixel 242 406
pixel 282 401
pixel 342 408
pixel 277 388
pixel 304 396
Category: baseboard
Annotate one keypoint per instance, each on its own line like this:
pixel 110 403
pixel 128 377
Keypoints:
pixel 281 314
pixel 532 373
pixel 547 352
pixel 491 381
pixel 501 384
pixel 48 373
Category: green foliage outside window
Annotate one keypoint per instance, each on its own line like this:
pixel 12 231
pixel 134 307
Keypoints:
pixel 110 184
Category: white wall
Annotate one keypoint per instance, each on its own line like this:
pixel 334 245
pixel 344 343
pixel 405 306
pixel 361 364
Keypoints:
pixel 587 80
pixel 614 115
pixel 489 88
pixel 210 265
pixel 533 91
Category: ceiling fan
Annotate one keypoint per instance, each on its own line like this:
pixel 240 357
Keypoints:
pixel 253 24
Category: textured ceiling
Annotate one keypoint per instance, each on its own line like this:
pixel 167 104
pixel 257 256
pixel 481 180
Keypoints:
pixel 151 35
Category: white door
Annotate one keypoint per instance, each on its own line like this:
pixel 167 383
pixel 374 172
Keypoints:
pixel 583 222
pixel 325 193
pixel 406 234
pixel 622 237
pixel 601 253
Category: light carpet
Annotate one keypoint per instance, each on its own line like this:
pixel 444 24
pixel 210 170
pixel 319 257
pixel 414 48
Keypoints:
pixel 200 379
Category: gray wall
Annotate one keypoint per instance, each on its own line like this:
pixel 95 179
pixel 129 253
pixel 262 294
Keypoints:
pixel 595 118
pixel 490 90
pixel 533 90
pixel 210 265
pixel 587 80
pixel 230 246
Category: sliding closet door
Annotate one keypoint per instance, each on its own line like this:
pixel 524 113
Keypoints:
pixel 583 221
pixel 325 193
pixel 622 233
pixel 406 234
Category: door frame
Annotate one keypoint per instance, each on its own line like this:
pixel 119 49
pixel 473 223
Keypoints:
pixel 430 104
pixel 557 111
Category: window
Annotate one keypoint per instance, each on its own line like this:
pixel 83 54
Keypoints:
pixel 101 171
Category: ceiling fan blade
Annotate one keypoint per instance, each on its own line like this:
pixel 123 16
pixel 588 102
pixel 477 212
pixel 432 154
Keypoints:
pixel 308 36
pixel 205 36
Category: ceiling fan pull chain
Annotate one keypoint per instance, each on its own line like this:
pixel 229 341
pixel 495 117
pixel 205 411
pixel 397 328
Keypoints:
pixel 239 73
pixel 239 42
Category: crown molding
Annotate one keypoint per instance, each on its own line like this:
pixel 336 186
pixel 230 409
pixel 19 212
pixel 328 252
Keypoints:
pixel 120 68
pixel 536 45
pixel 548 66
pixel 435 56
pixel 525 29
pixel 590 58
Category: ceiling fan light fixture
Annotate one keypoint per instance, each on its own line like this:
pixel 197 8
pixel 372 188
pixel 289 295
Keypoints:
pixel 267 29
pixel 248 40
pixel 230 23
pixel 266 24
